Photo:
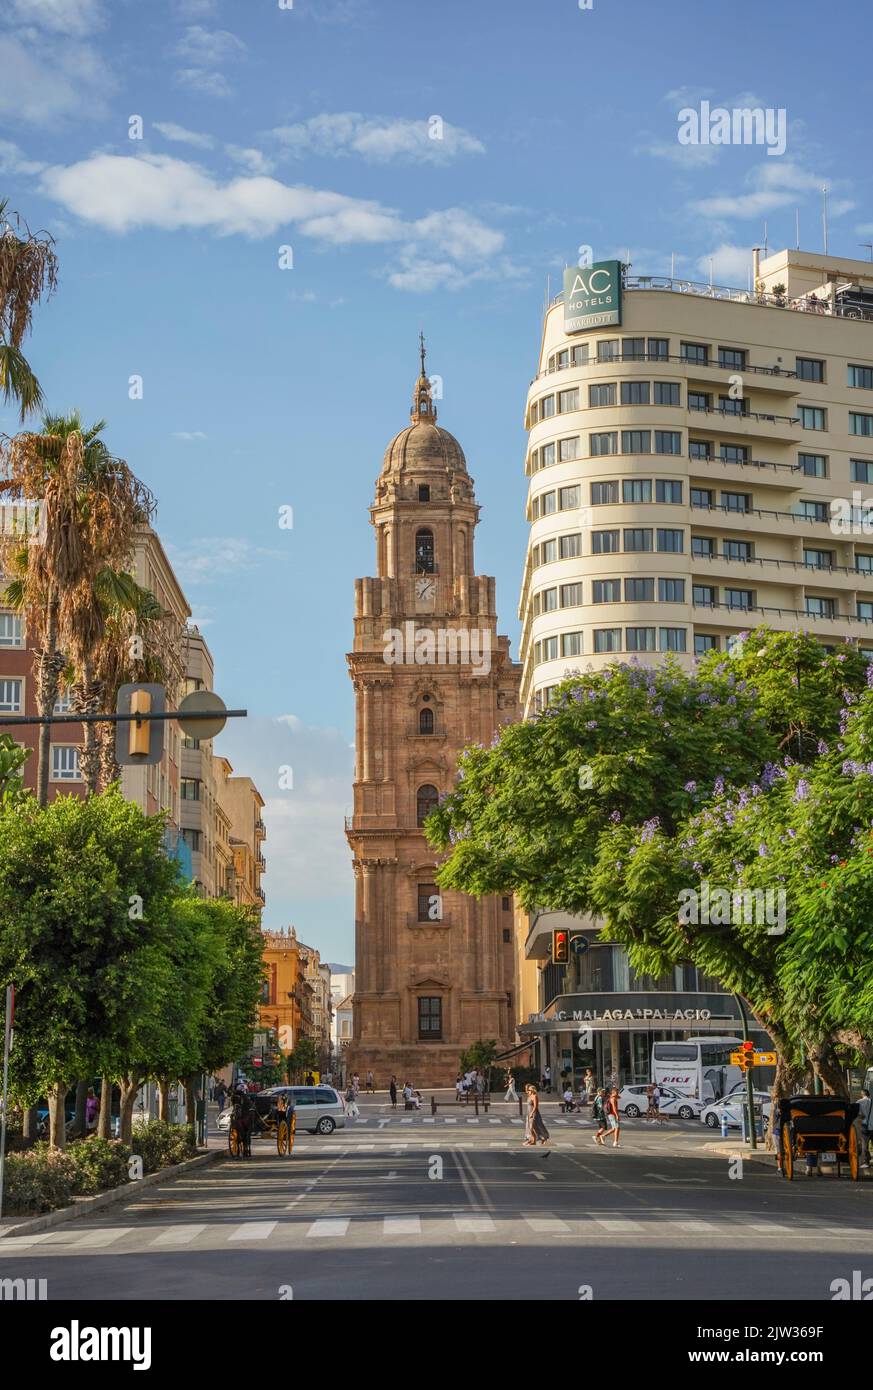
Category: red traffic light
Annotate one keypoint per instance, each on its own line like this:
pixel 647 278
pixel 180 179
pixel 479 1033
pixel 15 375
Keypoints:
pixel 748 1047
pixel 560 947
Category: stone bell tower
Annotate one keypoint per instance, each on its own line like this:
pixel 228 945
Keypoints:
pixel 433 971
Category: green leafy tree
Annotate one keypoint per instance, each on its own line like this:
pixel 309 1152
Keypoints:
pixel 303 1059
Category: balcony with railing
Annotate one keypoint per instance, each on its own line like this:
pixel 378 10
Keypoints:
pixel 844 307
pixel 260 828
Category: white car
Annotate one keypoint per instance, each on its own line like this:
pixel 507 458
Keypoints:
pixel 634 1101
pixel 731 1106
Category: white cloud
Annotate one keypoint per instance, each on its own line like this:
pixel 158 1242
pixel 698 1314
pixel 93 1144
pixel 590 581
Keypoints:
pixel 730 265
pixel 207 48
pixel 690 156
pixel 202 83
pixel 293 722
pixel 743 204
pixel 179 135
pixel 47 82
pixel 774 184
pixel 380 139
pixel 189 434
pixel 210 557
pixel 251 159
pixel 14 161
pixel 74 17
pixel 193 9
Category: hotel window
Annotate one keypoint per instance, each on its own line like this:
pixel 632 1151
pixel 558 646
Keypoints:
pixel 559 360
pixel 809 369
pixel 547 455
pixel 429 903
pixel 635 393
pixel 699 400
pixel 667 393
pixel 549 598
pixel 10 696
pixel 636 441
pixel 658 349
pixel 670 540
pixel 600 444
pixel 639 639
pixel 603 393
pixel 546 650
pixel 865 612
pixel 734 453
pixel 192 839
pixel 668 490
pixel 548 503
pixel 633 349
pixel 729 405
pixel 668 442
pixel 813 511
pixel 424 492
pixel 820 607
pixel 569 498
pixel 636 490
pixel 819 559
pixel 739 598
pixel 568 400
pixel 571 546
pixel 534 508
pixel 737 550
pixel 671 639
pixel 604 542
pixel 11 630
pixel 430 1018
pixel 549 552
pixel 861 470
pixel 695 352
pixel 862 377
pixel 602 494
pixel 607 639
pixel 813 417
pixel 571 595
pixel 608 350
pixel 637 538
pixel 863 563
pixel 671 590
pixel 65 763
pixel 736 501
pixel 570 448
pixel 189 789
pixel 425 721
pixel 860 424
pixel 571 644
pixel 704 595
pixel 426 799
pixel 639 590
pixel 606 591
pixel 734 359
pixel 547 407
pixel 813 465
pixel 705 642
pixel 702 497
pixel 580 355
pixel 699 449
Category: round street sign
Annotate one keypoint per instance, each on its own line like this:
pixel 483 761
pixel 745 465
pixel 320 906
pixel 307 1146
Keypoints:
pixel 580 944
pixel 205 700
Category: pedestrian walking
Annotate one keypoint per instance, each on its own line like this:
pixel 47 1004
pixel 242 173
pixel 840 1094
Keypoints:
pixel 511 1093
pixel 652 1104
pixel 356 1082
pixel 459 1087
pixel 392 1091
pixel 598 1112
pixel 589 1086
pixel 535 1125
pixel 352 1110
pixel 220 1095
pixel 370 1087
pixel 547 1077
pixel 613 1118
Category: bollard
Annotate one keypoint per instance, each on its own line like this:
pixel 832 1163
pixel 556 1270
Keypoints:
pixel 725 1132
pixel 433 1105
pixel 476 1101
pixel 520 1115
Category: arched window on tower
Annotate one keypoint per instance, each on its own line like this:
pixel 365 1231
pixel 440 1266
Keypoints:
pixel 424 492
pixel 424 553
pixel 426 798
pixel 425 721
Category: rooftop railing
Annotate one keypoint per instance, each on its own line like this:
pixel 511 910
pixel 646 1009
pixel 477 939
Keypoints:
pixel 807 303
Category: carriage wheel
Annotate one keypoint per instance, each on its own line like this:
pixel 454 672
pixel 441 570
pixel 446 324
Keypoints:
pixel 787 1154
pixel 282 1137
pixel 293 1131
pixel 854 1157
pixel 233 1143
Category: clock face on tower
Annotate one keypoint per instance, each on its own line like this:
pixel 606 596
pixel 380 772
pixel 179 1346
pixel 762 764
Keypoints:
pixel 425 593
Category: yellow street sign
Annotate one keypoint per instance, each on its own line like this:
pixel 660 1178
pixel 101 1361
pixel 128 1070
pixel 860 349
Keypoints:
pixel 738 1059
pixel 765 1059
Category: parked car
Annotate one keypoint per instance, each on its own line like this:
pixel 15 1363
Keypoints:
pixel 731 1105
pixel 634 1101
pixel 319 1109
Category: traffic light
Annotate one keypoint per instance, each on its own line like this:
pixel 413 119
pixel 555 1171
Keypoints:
pixel 748 1055
pixel 139 744
pixel 560 948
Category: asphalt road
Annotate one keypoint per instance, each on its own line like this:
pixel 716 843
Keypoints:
pixel 403 1207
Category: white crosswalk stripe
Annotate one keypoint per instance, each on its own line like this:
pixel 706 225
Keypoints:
pixel 253 1230
pixel 618 1226
pixel 478 1223
pixel 178 1235
pixel 401 1226
pixel 547 1225
pixel 329 1226
pixel 103 1237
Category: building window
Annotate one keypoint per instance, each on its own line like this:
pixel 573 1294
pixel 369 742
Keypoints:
pixel 549 600
pixel 608 350
pixel 739 598
pixel 863 563
pixel 860 424
pixel 734 453
pixel 603 393
pixel 704 595
pixel 699 400
pixel 813 465
pixel 547 407
pixel 819 559
pixel 638 538
pixel 820 607
pixel 424 492
pixel 571 546
pixel 736 501
pixel 569 498
pixel 547 455
pixel 571 644
pixel 65 763
pixel 658 349
pixel 190 743
pixel 548 504
pixel 861 470
pixel 430 1018
pixel 705 642
pixel 670 540
pixel 636 490
pixel 11 630
pixel 734 359
pixel 809 369
pixel 861 377
pixel 425 721
pixel 638 590
pixel 604 542
pixel 635 392
pixel 733 405
pixel 571 595
pixel 507 936
pixel 568 400
pixel 601 444
pixel 191 839
pixel 424 552
pixel 636 441
pixel 10 696
pixel 639 639
pixel 737 550
pixel 430 906
pixel 606 591
pixel 559 360
pixel 569 448
pixel 189 788
pixel 812 511
pixel 865 612
pixel 506 903
pixel 703 547
pixel 426 798
pixel 668 490
pixel 607 639
pixel 602 494
pixel 702 497
pixel 813 417
pixel 671 639
pixel 633 349
pixel 668 442
pixel 547 650
pixel 667 393
pixel 699 449
pixel 671 590
pixel 694 352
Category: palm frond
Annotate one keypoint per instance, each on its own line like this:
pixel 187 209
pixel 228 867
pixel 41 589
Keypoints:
pixel 18 381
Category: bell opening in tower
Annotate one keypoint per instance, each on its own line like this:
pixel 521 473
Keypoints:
pixel 424 552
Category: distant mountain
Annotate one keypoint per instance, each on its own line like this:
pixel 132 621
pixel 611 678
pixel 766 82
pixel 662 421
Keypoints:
pixel 340 969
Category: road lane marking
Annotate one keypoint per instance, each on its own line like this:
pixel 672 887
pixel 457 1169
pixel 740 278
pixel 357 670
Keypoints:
pixel 103 1237
pixel 401 1226
pixel 616 1225
pixel 253 1230
pixel 547 1225
pixel 478 1223
pixel 329 1226
pixel 178 1235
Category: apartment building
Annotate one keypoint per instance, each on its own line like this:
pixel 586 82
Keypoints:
pixel 286 997
pixel 685 444
pixel 202 817
pixel 242 805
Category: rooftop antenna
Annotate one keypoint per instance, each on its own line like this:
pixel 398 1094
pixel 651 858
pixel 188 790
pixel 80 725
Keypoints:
pixel 797 229
pixel 421 350
pixel 868 246
pixel 710 272
pixel 672 265
pixel 824 215
pixel 765 241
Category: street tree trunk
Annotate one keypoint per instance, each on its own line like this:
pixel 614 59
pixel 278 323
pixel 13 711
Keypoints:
pixel 88 699
pixel 163 1098
pixel 826 1066
pixel 79 1117
pixel 48 665
pixel 104 1119
pixel 57 1118
pixel 192 1095
pixel 129 1088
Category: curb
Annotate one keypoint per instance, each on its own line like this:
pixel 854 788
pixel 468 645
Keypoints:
pixel 84 1206
pixel 740 1150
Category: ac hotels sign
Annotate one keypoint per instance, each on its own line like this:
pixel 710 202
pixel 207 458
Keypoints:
pixel 592 295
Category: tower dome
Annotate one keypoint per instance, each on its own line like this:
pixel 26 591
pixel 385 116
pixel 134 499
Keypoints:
pixel 423 444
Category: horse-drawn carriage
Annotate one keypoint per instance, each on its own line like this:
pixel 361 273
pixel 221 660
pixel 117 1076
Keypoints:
pixel 823 1126
pixel 260 1115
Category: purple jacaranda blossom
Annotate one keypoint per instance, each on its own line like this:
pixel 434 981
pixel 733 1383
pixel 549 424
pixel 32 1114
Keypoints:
pixel 718 786
pixel 870 676
pixel 691 786
pixel 591 724
pixel 822 748
pixel 792 833
pixel 835 859
pixel 763 851
pixel 647 834
pixel 801 791
pixel 616 817
pixel 851 768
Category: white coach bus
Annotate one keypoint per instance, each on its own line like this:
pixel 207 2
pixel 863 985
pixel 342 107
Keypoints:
pixel 698 1067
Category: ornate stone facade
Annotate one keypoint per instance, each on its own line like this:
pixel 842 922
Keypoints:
pixel 433 972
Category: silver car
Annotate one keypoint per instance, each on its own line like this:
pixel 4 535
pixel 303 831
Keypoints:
pixel 319 1109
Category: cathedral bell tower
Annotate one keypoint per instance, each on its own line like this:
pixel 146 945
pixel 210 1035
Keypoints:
pixel 433 971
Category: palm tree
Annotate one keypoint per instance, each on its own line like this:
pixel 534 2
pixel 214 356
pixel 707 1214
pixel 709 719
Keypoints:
pixel 28 270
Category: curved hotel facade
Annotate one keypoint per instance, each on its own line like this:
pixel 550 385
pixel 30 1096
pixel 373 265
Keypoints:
pixel 685 443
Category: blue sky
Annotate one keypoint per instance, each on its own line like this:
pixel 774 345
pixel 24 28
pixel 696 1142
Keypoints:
pixel 310 128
